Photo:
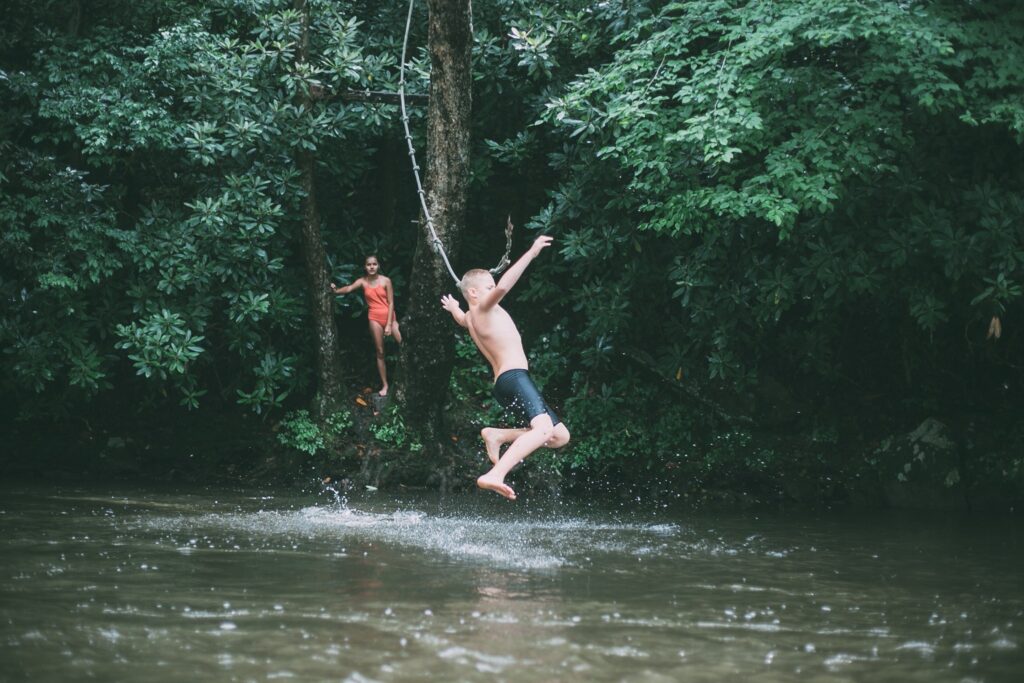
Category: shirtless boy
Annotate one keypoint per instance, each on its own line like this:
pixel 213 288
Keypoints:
pixel 495 334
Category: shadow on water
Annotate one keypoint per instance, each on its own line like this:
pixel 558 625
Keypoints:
pixel 229 585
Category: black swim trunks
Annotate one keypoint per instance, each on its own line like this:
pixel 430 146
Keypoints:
pixel 518 395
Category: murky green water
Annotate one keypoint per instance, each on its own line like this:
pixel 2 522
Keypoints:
pixel 232 586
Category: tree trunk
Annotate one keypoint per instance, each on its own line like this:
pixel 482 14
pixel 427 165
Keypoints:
pixel 74 18
pixel 392 170
pixel 328 391
pixel 428 353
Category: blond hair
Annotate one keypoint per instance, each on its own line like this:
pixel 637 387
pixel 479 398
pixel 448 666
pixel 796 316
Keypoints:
pixel 471 279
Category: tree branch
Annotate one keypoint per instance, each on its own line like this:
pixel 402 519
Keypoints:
pixel 376 96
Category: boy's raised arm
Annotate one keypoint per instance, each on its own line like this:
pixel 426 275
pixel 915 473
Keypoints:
pixel 511 276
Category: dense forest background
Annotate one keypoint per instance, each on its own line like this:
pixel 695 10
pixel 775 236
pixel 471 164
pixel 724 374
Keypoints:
pixel 789 238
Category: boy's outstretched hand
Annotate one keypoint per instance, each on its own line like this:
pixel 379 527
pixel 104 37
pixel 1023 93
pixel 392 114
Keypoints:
pixel 540 243
pixel 450 304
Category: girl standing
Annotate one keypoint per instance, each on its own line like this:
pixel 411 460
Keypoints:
pixel 380 304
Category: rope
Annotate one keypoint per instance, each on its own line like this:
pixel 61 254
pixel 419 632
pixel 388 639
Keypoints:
pixel 504 262
pixel 435 240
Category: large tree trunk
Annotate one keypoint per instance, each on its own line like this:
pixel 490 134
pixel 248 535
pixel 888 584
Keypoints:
pixel 428 353
pixel 328 392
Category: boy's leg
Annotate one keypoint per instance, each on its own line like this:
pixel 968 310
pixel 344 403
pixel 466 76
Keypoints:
pixel 541 430
pixel 494 437
pixel 559 436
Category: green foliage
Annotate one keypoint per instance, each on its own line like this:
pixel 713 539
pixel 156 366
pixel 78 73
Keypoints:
pixel 603 430
pixel 299 431
pixel 472 380
pixel 150 196
pixel 790 174
pixel 818 193
pixel 160 345
pixel 392 432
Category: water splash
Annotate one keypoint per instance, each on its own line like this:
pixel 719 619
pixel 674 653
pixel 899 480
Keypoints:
pixel 536 544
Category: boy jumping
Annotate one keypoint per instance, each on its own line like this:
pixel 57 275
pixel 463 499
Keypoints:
pixel 495 334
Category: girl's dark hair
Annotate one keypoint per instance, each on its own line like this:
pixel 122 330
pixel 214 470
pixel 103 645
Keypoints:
pixel 371 256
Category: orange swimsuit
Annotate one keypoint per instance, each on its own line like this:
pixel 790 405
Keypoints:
pixel 377 303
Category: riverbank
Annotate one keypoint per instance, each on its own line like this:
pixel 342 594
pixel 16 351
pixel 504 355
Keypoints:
pixel 926 466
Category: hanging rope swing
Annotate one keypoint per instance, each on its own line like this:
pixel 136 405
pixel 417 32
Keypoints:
pixel 435 241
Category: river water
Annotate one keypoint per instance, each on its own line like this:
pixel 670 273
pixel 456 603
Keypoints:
pixel 133 585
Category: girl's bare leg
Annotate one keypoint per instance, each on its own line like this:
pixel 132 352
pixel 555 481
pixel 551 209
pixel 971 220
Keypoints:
pixel 395 332
pixel 377 332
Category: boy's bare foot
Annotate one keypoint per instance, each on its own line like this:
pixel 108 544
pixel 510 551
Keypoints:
pixel 498 486
pixel 491 443
pixel 383 391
